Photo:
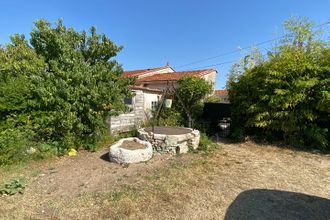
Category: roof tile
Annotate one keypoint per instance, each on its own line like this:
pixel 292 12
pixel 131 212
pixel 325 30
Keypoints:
pixel 221 92
pixel 133 73
pixel 175 75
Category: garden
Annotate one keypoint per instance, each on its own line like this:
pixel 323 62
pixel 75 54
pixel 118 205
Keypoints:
pixel 57 158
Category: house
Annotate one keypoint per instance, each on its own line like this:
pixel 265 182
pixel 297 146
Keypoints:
pixel 148 89
pixel 223 95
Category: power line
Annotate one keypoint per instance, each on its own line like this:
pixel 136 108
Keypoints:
pixel 216 64
pixel 224 54
pixel 240 49
pixel 263 55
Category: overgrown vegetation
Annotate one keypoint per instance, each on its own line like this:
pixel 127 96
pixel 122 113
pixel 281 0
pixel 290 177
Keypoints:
pixel 205 143
pixel 191 93
pixel 188 101
pixel 285 96
pixel 57 89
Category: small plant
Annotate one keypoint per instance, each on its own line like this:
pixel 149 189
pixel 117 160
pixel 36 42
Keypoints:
pixel 13 187
pixel 125 192
pixel 205 142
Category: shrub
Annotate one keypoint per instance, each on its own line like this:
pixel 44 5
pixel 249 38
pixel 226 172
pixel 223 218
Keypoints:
pixel 287 95
pixel 205 142
pixel 14 144
pixel 170 117
pixel 57 90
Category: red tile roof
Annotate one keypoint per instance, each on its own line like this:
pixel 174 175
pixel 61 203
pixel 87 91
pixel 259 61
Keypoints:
pixel 221 92
pixel 175 75
pixel 145 88
pixel 133 73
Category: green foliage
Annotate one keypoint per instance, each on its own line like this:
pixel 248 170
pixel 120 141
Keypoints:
pixel 13 145
pixel 213 99
pixel 205 143
pixel 60 87
pixel 286 95
pixel 11 188
pixel 187 103
pixel 193 90
pixel 170 117
pixel 191 93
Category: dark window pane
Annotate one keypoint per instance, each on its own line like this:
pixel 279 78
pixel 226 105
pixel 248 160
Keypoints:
pixel 128 101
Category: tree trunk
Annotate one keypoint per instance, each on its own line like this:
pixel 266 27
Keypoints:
pixel 189 121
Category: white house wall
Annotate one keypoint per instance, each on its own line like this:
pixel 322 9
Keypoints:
pixel 140 113
pixel 130 120
pixel 148 98
pixel 211 77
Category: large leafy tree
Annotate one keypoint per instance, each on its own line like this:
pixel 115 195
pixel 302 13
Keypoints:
pixel 287 95
pixel 62 84
pixel 83 83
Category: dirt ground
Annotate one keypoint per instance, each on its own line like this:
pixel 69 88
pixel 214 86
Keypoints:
pixel 132 145
pixel 234 181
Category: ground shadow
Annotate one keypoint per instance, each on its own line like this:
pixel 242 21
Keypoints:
pixel 105 157
pixel 275 204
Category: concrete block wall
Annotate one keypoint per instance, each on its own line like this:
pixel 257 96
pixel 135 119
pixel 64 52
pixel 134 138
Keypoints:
pixel 129 121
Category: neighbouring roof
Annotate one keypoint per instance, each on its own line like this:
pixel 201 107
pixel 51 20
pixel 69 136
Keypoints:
pixel 174 76
pixel 221 92
pixel 133 73
pixel 138 87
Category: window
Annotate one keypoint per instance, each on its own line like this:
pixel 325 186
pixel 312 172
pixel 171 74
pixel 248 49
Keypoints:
pixel 154 105
pixel 128 101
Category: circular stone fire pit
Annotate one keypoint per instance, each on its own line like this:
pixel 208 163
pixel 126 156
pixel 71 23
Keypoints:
pixel 171 139
pixel 130 150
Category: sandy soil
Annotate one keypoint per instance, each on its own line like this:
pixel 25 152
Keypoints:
pixel 132 145
pixel 234 181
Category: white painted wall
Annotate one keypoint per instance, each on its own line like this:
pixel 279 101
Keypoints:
pixel 150 97
pixel 211 77
pixel 130 120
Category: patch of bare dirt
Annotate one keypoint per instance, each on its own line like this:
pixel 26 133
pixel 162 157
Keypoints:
pixel 132 145
pixel 234 181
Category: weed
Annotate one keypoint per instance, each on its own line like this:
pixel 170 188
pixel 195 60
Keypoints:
pixel 204 142
pixel 125 192
pixel 14 186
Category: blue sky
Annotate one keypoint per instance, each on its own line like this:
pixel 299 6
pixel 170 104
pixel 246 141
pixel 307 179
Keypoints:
pixel 175 31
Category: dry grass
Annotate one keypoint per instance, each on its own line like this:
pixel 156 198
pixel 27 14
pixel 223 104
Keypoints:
pixel 192 186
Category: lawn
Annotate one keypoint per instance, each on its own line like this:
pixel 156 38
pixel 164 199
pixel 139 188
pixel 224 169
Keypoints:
pixel 233 180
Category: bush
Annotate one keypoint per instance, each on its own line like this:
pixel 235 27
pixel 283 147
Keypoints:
pixel 170 117
pixel 14 144
pixel 205 142
pixel 57 90
pixel 287 95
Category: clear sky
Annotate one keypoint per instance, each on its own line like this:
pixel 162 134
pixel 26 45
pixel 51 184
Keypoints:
pixel 155 32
